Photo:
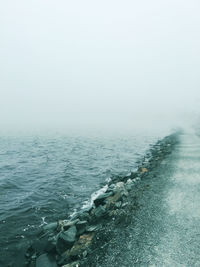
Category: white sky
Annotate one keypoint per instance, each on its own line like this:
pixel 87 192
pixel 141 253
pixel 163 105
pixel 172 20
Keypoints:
pixel 98 64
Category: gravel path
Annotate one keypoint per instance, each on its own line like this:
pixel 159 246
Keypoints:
pixel 165 228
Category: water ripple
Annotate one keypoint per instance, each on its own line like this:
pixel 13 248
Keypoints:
pixel 49 177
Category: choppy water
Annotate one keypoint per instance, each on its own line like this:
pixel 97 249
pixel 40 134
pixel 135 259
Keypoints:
pixel 43 179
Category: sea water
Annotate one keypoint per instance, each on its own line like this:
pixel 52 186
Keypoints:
pixel 44 178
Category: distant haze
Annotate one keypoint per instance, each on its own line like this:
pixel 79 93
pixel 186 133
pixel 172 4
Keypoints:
pixel 80 65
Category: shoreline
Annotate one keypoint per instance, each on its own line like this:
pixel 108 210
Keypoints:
pixel 72 242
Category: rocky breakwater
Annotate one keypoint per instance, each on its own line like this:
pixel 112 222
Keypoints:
pixel 68 243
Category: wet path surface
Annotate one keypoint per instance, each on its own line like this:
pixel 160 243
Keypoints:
pixel 165 229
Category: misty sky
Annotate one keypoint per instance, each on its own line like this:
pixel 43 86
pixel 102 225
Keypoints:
pixel 98 64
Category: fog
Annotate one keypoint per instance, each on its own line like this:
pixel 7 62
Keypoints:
pixel 98 65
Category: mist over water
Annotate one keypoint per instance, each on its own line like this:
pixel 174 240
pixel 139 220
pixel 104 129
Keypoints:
pixel 107 66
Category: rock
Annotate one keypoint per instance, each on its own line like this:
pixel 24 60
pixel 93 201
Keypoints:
pixel 129 185
pixel 112 213
pixel 64 258
pixel 110 201
pixel 100 211
pixel 81 226
pixel 38 246
pixel 65 224
pixel 81 245
pixel 84 216
pixel 136 179
pixel 87 209
pixel 45 261
pixel 72 264
pixel 143 170
pixel 93 228
pixel 124 204
pixel 119 187
pixel 66 239
pixel 101 198
pixel 51 245
pixel 70 234
pixel 111 187
pixel 32 264
pixel 133 174
pixel 42 245
pixel 118 204
pixel 85 254
pixel 34 257
pixel 120 216
pixel 50 226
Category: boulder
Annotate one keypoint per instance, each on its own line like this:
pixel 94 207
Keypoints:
pixel 118 204
pixel 81 245
pixel 110 201
pixel 112 213
pixel 66 239
pixel 43 245
pixel 101 198
pixel 110 188
pixel 143 170
pixel 93 228
pixel 72 264
pixel 45 261
pixel 129 185
pixel 120 187
pixel 65 224
pixel 39 246
pixel 63 258
pixel 50 226
pixel 84 216
pixel 100 211
pixel 81 226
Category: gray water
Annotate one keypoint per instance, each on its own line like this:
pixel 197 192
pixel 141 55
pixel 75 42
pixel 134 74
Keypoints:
pixel 46 178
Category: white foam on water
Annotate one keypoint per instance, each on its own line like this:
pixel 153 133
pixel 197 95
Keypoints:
pixel 94 195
